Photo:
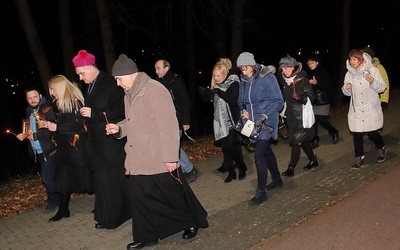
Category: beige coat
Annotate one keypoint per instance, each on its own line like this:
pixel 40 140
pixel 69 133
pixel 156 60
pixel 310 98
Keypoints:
pixel 151 128
pixel 365 112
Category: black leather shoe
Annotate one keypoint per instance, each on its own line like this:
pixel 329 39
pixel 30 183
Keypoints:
pixel 311 164
pixel 190 233
pixel 335 137
pixel 99 226
pixel 59 215
pixel 222 169
pixel 242 174
pixel 274 184
pixel 289 171
pixel 231 176
pixel 138 245
pixel 260 197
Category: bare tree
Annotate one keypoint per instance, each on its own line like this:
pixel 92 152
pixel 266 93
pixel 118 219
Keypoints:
pixel 34 42
pixel 106 33
pixel 66 37
pixel 237 29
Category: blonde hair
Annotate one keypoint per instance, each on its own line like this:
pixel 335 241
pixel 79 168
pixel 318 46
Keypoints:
pixel 70 96
pixel 223 65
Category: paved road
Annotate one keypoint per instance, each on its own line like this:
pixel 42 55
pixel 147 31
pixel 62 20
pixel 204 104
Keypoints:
pixel 339 208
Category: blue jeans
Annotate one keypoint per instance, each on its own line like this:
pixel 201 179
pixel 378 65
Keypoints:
pixel 47 173
pixel 265 160
pixel 186 165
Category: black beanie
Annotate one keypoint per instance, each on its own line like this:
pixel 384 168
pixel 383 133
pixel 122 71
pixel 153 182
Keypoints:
pixel 124 66
pixel 369 51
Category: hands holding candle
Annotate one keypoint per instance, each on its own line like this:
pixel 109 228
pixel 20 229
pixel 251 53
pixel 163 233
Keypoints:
pixel 112 128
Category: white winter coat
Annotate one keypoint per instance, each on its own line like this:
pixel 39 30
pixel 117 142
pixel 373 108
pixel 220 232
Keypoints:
pixel 365 112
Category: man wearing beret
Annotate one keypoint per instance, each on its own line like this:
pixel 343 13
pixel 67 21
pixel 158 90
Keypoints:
pixel 161 199
pixel 104 102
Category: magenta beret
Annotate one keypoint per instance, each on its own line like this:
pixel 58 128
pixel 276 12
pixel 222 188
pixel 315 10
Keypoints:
pixel 83 58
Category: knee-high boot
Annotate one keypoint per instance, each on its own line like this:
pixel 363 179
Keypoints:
pixel 63 209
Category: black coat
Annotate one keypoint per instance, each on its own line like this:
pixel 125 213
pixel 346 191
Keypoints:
pixel 294 109
pixel 177 88
pixel 45 136
pixel 105 151
pixel 324 90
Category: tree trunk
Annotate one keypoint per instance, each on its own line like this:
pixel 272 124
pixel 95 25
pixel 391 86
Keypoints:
pixel 345 47
pixel 39 56
pixel 237 29
pixel 66 38
pixel 106 33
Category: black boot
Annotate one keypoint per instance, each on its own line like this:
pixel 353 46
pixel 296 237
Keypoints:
pixel 335 137
pixel 222 169
pixel 242 172
pixel 311 164
pixel 231 176
pixel 63 211
pixel 289 171
pixel 261 195
pixel 274 184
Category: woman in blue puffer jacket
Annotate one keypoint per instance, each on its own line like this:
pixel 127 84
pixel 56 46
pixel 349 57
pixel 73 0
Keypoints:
pixel 259 95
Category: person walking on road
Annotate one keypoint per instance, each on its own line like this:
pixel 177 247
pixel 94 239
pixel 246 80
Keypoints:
pixel 104 102
pixel 42 143
pixel 363 83
pixel 161 198
pixel 224 94
pixel 296 91
pixel 322 85
pixel 177 88
pixel 384 96
pixel 72 171
pixel 260 96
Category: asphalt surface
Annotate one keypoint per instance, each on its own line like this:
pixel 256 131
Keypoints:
pixel 329 207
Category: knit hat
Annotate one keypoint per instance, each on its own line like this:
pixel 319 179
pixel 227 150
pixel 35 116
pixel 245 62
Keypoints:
pixel 124 66
pixel 369 51
pixel 245 59
pixel 287 61
pixel 83 58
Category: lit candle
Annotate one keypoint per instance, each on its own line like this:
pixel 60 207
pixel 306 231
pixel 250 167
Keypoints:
pixel 9 132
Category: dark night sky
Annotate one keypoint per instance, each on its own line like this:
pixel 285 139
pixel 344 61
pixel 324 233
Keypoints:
pixel 271 31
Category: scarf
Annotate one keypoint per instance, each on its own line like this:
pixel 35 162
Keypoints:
pixel 223 121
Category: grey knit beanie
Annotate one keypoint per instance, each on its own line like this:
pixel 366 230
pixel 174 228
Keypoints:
pixel 124 66
pixel 288 62
pixel 245 59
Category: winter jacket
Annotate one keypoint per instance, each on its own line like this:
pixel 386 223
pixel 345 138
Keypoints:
pixel 384 96
pixel 365 112
pixel 177 88
pixel 294 109
pixel 323 90
pixel 260 94
pixel 150 126
pixel 45 137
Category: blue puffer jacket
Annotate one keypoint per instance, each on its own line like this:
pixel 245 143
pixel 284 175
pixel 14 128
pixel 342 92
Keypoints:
pixel 260 94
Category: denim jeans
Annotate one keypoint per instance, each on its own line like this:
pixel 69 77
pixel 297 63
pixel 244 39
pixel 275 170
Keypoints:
pixel 186 165
pixel 47 173
pixel 265 160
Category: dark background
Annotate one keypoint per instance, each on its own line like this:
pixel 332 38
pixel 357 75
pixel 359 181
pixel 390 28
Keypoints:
pixel 148 30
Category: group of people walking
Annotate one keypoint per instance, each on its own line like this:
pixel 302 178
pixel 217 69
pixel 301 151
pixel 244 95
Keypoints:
pixel 260 92
pixel 120 137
